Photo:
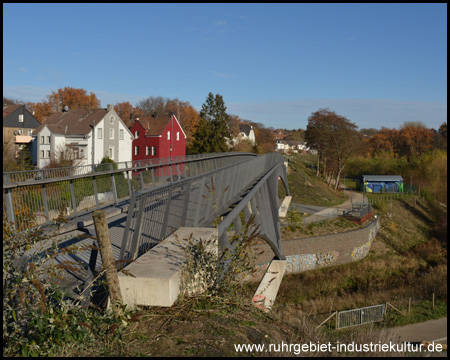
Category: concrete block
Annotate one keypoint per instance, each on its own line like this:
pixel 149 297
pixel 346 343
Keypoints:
pixel 282 212
pixel 154 279
pixel 267 290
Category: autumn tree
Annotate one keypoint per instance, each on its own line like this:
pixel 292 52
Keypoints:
pixel 335 138
pixel 125 110
pixel 153 104
pixel 186 115
pixel 211 132
pixel 73 99
pixel 41 110
pixel 413 138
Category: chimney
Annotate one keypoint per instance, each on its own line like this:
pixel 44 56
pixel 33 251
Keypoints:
pixel 66 109
pixel 109 107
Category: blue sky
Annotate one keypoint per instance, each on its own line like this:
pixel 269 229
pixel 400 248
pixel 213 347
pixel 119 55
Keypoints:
pixel 376 64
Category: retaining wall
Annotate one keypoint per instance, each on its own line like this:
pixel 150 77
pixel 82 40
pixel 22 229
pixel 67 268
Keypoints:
pixel 321 251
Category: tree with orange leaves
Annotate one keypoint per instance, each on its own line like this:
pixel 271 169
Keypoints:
pixel 73 99
pixel 125 110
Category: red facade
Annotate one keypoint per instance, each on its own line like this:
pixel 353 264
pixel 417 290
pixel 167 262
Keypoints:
pixel 157 137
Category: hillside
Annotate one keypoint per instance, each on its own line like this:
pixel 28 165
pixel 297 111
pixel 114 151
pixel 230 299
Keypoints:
pixel 305 187
pixel 408 259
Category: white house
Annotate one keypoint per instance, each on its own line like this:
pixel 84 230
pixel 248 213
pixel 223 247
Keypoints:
pixel 246 132
pixel 90 134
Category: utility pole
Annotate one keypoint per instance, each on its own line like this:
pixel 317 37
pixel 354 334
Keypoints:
pixel 93 144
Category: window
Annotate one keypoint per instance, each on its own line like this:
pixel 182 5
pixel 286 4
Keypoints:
pixel 48 154
pixel 111 133
pixel 112 119
pixel 48 139
pixel 20 132
pixel 137 134
pixel 147 150
pixel 121 134
pixel 81 153
pixel 168 135
pixel 42 140
pixel 136 150
pixel 111 153
pixel 30 131
pixel 99 133
pixel 42 154
pixel 178 135
pixel 20 117
pixel 153 150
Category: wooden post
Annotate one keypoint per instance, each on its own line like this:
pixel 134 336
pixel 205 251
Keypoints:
pixel 409 305
pixel 104 242
pixel 433 301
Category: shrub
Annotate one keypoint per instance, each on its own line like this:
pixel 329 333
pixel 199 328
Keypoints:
pixel 39 318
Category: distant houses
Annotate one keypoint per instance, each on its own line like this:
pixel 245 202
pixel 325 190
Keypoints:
pixel 89 135
pixel 18 126
pixel 86 135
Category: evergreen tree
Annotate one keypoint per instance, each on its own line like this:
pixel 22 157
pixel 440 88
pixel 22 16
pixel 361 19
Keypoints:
pixel 211 132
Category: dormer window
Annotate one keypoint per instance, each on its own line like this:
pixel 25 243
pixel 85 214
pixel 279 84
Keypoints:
pixel 20 117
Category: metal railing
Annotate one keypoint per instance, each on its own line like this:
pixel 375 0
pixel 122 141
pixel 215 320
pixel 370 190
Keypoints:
pixel 360 316
pixel 38 197
pixel 202 200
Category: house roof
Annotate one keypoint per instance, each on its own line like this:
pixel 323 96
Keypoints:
pixel 8 109
pixel 245 129
pixel 73 122
pixel 153 126
pixel 382 178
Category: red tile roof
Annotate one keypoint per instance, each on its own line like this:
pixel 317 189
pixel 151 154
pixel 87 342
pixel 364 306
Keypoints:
pixel 154 126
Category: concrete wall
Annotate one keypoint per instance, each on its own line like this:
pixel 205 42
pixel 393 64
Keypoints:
pixel 321 251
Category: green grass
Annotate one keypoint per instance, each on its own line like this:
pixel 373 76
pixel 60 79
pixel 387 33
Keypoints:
pixel 306 188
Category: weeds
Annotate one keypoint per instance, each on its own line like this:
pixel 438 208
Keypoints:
pixel 39 317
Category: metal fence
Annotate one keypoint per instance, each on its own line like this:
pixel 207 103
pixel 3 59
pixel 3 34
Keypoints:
pixel 360 316
pixel 34 198
pixel 201 200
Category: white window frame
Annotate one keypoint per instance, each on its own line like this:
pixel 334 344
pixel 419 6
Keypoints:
pixel 153 150
pixel 111 152
pixel 111 133
pixel 120 134
pixel 168 135
pixel 20 132
pixel 99 133
pixel 111 119
pixel 20 117
pixel 48 139
pixel 178 135
pixel 136 134
pixel 42 140
pixel 147 150
pixel 48 154
pixel 42 154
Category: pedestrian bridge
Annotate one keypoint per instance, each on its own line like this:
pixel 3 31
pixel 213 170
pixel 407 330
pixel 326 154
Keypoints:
pixel 223 191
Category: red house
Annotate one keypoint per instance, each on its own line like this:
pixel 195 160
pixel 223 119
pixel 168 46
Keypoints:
pixel 157 137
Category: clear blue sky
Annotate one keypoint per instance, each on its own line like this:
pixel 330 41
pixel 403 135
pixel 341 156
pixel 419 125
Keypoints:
pixel 376 64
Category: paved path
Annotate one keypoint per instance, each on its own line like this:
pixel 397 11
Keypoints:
pixel 432 330
pixel 319 213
